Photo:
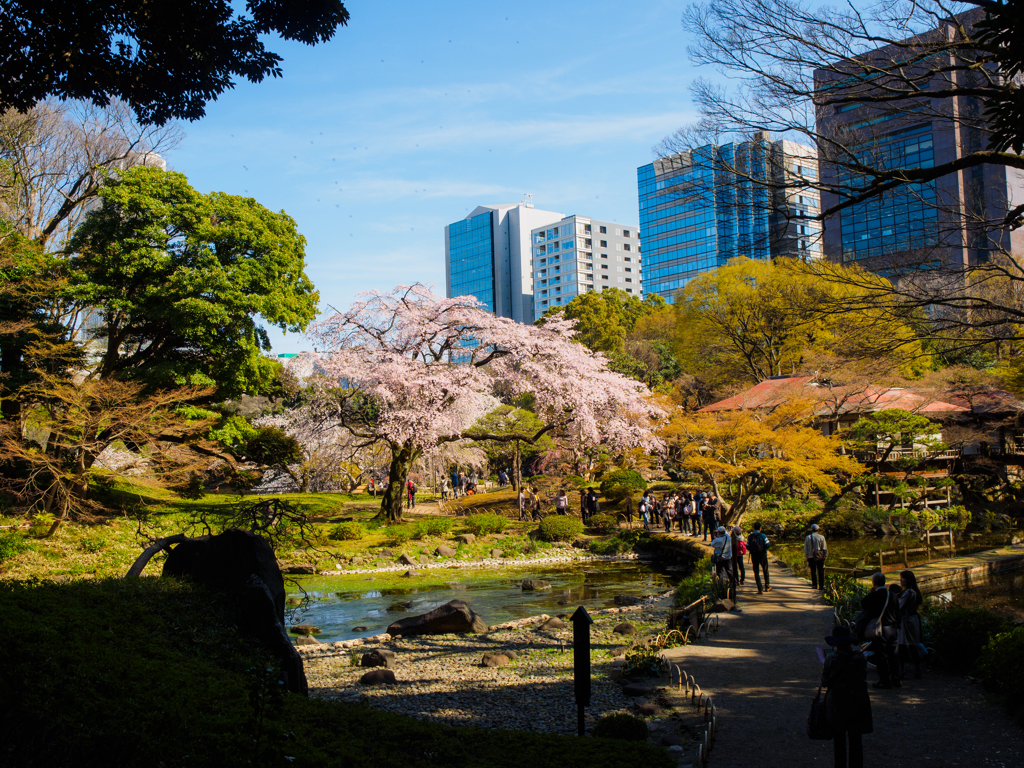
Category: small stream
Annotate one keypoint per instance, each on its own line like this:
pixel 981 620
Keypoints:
pixel 351 614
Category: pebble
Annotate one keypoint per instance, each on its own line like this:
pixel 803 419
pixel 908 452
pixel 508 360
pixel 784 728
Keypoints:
pixel 439 677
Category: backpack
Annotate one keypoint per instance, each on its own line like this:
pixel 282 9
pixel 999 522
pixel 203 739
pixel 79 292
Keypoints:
pixel 756 543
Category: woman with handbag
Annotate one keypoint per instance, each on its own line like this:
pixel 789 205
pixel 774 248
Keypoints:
pixel 880 611
pixel 847 704
pixel 908 635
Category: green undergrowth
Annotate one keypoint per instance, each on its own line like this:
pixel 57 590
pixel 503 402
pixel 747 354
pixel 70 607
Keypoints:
pixel 150 672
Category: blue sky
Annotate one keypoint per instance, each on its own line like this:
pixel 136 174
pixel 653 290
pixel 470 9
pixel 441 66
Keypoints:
pixel 418 112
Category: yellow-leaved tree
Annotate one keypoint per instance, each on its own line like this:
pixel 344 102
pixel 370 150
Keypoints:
pixel 752 319
pixel 754 452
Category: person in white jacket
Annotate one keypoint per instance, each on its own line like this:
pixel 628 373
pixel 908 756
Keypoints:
pixel 815 553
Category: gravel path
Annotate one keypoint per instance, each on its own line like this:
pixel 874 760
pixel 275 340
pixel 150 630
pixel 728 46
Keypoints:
pixel 762 671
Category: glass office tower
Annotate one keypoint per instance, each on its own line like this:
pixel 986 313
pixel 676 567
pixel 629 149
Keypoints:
pixel 471 259
pixel 699 209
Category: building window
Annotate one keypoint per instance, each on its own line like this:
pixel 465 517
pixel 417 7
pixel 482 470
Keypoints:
pixel 604 277
pixel 629 290
pixel 603 230
pixel 604 243
pixel 629 269
pixel 586 229
pixel 625 233
pixel 625 247
pixel 626 258
pixel 629 279
pixel 604 266
pixel 604 255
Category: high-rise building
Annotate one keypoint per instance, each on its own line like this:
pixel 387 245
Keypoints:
pixel 701 208
pixel 487 255
pixel 955 220
pixel 580 254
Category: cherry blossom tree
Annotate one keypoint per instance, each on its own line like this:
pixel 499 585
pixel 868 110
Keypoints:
pixel 419 371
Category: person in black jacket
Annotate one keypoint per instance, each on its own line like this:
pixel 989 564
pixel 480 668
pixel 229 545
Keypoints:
pixel 847 704
pixel 881 603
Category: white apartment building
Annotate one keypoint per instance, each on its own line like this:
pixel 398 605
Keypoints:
pixel 580 254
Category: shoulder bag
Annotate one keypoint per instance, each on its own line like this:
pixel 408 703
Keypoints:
pixel 873 631
pixel 817 720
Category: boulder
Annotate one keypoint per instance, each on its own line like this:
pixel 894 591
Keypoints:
pixel 533 585
pixel 647 709
pixel 638 690
pixel 618 651
pixel 512 655
pixel 581 544
pixel 360 629
pixel 444 551
pixel 723 606
pixel 886 529
pixel 399 607
pixel 454 616
pixel 298 570
pixel 304 629
pixel 465 538
pixel 625 628
pixel 411 574
pixel 494 660
pixel 553 623
pixel 378 658
pixel 378 677
pixel 627 600
pixel 294 601
pixel 424 559
pixel 406 560
pixel 495 553
pixel 243 565
pixel 386 553
pixel 306 640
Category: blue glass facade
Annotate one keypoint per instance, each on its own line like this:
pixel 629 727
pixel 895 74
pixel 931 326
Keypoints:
pixel 472 259
pixel 697 212
pixel 898 221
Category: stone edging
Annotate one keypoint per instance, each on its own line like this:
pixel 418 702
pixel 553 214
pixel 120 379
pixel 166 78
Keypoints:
pixel 486 563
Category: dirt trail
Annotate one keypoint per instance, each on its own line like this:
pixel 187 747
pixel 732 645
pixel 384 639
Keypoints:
pixel 762 671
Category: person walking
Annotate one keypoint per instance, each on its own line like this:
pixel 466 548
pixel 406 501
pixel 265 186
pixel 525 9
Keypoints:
pixel 535 504
pixel 816 553
pixel 561 503
pixel 757 546
pixel 739 552
pixel 847 704
pixel 592 505
pixel 584 512
pixel 629 510
pixel 645 510
pixel 410 497
pixel 723 557
pixel 880 609
pixel 521 500
pixel 444 489
pixel 708 518
pixel 908 634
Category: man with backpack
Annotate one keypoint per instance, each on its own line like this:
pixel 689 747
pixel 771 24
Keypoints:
pixel 757 546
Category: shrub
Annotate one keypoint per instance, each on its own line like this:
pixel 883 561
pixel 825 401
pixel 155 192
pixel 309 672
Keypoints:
pixel 560 528
pixel 621 726
pixel 12 544
pixel 350 531
pixel 1001 663
pixel 701 582
pixel 396 535
pixel 604 523
pixel 622 483
pixel 485 523
pixel 574 481
pixel 433 526
pixel 958 634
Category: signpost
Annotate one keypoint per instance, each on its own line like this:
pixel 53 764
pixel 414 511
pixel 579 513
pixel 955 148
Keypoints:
pixel 581 622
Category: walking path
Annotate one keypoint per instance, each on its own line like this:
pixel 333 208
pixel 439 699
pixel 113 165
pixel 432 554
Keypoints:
pixel 762 671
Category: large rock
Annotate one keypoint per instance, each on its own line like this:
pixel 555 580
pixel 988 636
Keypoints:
pixel 406 560
pixel 723 606
pixel 306 640
pixel 299 570
pixel 444 551
pixel 454 616
pixel 424 559
pixel 553 623
pixel 379 657
pixel 412 574
pixel 625 628
pixel 532 585
pixel 634 690
pixel 495 554
pixel 304 629
pixel 243 565
pixel 466 538
pixel 494 660
pixel 627 600
pixel 378 677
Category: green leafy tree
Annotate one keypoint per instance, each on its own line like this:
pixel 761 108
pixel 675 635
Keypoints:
pixel 505 427
pixel 177 280
pixel 605 318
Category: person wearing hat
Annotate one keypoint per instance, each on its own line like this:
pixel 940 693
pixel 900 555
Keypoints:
pixel 847 704
pixel 815 553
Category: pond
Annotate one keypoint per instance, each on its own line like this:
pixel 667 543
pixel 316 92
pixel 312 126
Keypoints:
pixel 1004 594
pixel 863 552
pixel 496 597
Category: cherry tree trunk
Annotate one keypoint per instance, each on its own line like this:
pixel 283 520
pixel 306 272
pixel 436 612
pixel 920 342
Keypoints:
pixel 402 458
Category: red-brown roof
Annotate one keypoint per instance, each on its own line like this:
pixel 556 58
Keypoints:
pixel 774 392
